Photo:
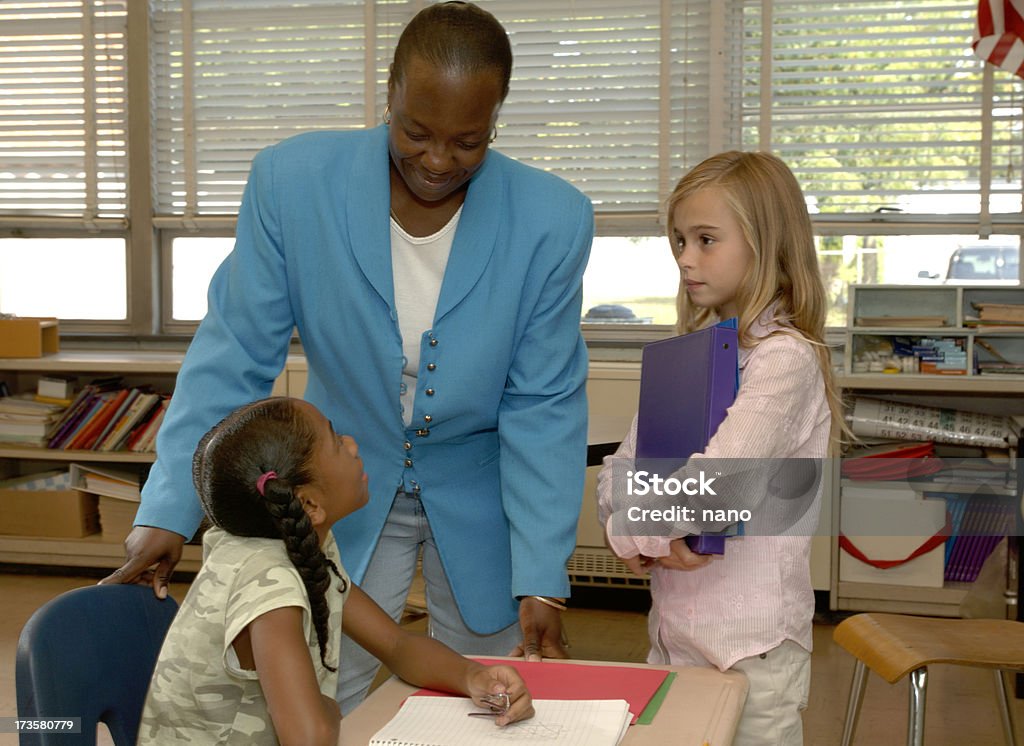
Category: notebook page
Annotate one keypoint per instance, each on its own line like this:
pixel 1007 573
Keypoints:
pixel 444 721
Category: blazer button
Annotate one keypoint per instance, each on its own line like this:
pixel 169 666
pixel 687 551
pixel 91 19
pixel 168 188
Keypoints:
pixel 431 366
pixel 407 445
pixel 408 463
pixel 428 418
pixel 422 433
pixel 429 392
pixel 433 341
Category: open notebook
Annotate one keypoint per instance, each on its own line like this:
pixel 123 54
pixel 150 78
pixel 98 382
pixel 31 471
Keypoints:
pixel 445 721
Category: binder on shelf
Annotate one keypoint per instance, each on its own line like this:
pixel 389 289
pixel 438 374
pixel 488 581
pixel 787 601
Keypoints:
pixel 686 385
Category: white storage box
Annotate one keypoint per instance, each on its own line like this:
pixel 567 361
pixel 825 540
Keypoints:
pixel 908 525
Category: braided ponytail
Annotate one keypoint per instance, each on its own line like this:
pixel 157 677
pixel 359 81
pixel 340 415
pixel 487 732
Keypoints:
pixel 268 437
pixel 303 546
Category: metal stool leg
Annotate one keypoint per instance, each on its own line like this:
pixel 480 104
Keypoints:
pixel 1003 694
pixel 860 681
pixel 915 720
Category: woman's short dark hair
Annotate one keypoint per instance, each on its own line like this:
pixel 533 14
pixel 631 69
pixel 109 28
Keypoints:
pixel 268 435
pixel 456 36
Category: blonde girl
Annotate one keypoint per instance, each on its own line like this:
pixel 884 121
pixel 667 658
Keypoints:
pixel 740 233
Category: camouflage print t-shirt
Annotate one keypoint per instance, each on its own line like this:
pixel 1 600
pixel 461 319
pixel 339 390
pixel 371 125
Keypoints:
pixel 199 693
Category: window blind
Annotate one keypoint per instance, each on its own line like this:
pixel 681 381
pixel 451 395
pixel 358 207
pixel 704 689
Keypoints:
pixel 63 109
pixel 585 103
pixel 230 78
pixel 870 102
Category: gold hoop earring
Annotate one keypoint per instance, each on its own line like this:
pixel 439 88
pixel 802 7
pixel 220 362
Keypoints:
pixel 494 135
pixel 387 114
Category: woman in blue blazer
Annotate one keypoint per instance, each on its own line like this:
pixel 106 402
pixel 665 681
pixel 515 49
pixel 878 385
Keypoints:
pixel 481 461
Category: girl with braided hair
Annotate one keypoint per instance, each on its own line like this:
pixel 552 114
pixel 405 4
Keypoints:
pixel 251 656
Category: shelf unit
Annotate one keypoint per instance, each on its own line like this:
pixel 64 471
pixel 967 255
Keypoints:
pixel 21 374
pixel 158 368
pixel 953 305
pixel 992 394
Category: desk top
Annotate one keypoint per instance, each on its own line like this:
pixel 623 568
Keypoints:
pixel 702 706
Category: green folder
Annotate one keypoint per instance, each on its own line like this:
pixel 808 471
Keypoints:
pixel 647 716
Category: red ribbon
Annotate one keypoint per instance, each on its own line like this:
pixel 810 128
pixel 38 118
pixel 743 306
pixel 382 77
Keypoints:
pixel 928 546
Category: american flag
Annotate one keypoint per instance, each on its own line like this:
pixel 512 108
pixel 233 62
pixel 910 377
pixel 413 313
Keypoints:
pixel 999 36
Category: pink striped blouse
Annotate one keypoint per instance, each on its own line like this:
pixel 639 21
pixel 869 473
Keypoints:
pixel 758 593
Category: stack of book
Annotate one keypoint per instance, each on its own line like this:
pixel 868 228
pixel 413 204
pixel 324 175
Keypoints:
pixel 119 494
pixel 105 416
pixel 25 421
pixel 997 314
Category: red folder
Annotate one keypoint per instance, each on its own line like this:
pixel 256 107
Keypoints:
pixel 556 680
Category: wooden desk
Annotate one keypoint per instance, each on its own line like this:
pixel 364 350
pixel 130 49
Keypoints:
pixel 702 706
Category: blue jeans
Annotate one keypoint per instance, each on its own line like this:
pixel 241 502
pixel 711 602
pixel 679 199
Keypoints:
pixel 387 581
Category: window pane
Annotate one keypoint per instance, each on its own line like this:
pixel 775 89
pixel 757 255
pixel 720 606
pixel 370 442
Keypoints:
pixel 71 278
pixel 630 280
pixel 193 262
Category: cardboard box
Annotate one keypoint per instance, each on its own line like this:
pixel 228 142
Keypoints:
pixel 907 524
pixel 28 337
pixel 26 510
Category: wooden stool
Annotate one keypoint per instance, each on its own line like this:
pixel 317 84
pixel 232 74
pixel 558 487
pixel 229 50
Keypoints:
pixel 893 645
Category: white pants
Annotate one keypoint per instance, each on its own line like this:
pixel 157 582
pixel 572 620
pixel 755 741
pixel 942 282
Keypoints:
pixel 780 682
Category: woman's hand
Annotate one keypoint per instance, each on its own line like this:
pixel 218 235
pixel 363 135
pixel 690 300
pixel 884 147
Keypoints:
pixel 683 558
pixel 147 546
pixel 542 631
pixel 484 680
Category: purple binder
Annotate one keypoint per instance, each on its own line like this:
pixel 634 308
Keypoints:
pixel 686 385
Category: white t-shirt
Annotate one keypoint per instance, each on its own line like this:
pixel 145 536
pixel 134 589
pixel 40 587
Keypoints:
pixel 417 265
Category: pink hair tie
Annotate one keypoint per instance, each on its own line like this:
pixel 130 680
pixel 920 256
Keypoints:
pixel 261 481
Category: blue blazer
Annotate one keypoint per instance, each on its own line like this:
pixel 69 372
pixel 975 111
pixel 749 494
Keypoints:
pixel 498 435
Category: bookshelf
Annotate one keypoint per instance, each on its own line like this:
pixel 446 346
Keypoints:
pixel 156 368
pixel 943 313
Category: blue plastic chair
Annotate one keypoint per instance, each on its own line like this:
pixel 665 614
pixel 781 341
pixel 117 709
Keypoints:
pixel 90 653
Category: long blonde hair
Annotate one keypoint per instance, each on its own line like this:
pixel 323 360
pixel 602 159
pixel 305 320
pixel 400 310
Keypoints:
pixel 768 203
